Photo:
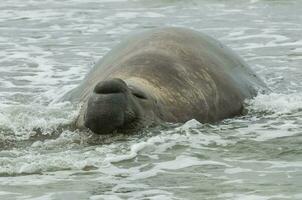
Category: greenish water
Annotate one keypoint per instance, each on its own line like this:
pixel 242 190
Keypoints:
pixel 47 47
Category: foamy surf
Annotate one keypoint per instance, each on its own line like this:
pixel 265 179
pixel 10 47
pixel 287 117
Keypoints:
pixel 49 46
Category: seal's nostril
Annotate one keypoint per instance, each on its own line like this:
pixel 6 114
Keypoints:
pixel 110 86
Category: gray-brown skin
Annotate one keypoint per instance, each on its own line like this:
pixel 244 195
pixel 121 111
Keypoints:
pixel 165 74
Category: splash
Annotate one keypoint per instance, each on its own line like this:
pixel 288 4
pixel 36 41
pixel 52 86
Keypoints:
pixel 276 103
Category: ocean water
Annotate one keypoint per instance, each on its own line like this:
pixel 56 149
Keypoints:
pixel 47 47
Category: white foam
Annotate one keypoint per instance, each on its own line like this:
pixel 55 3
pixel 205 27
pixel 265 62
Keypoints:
pixel 23 119
pixel 6 193
pixel 268 34
pixel 277 102
pixel 43 197
pixel 153 15
pixel 236 170
pixel 191 124
pixel 254 1
pixel 180 162
pixel 132 15
pixel 297 165
pixel 248 196
pixel 132 154
pixel 192 137
pixel 269 45
pixel 269 130
pixel 102 197
pixel 33 163
pixel 126 15
pixel 150 193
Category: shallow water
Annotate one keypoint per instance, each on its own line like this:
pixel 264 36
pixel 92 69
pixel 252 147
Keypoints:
pixel 47 47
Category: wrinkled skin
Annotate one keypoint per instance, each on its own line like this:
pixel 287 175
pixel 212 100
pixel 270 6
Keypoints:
pixel 118 106
pixel 166 74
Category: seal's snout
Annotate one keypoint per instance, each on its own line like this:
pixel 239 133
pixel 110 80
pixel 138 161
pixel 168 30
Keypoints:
pixel 111 86
pixel 107 106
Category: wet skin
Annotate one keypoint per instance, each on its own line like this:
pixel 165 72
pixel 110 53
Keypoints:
pixel 117 107
pixel 164 75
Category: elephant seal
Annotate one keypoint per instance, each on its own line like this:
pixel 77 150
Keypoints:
pixel 164 75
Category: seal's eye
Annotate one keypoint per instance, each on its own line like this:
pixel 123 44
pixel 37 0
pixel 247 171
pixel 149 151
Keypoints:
pixel 139 94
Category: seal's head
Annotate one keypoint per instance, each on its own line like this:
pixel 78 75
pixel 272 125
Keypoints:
pixel 116 106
